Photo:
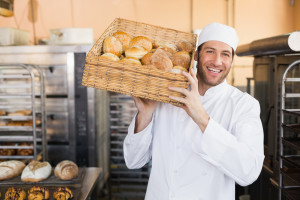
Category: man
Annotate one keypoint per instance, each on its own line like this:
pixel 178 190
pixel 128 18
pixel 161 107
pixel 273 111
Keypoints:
pixel 199 150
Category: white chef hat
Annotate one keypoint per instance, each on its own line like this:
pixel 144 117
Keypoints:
pixel 219 32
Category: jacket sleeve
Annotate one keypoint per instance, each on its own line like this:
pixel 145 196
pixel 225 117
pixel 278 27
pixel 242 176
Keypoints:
pixel 137 147
pixel 238 153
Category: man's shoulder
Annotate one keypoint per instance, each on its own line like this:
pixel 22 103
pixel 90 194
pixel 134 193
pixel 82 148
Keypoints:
pixel 239 95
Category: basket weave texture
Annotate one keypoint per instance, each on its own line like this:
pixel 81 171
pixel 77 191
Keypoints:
pixel 130 79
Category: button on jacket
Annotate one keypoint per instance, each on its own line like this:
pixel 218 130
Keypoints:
pixel 190 165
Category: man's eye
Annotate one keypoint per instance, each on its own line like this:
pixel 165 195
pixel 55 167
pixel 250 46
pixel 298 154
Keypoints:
pixel 209 51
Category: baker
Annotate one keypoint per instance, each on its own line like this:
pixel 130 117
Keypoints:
pixel 215 139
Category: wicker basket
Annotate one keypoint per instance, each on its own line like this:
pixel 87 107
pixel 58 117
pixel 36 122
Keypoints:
pixel 141 81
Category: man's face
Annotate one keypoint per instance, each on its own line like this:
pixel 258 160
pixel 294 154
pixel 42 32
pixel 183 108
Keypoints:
pixel 214 62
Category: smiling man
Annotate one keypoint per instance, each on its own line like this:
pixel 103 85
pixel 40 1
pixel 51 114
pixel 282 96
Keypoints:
pixel 215 139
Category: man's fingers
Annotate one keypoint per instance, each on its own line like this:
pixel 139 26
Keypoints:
pixel 179 89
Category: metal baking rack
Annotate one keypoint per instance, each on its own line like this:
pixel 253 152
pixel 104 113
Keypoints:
pixel 289 145
pixel 22 88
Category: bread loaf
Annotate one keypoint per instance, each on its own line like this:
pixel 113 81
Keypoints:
pixel 110 56
pixel 184 45
pixel 10 169
pixel 136 52
pixel 66 170
pixel 112 45
pixel 161 61
pixel 178 69
pixel 181 58
pixel 131 60
pixel 36 171
pixel 141 41
pixel 124 38
pixel 146 59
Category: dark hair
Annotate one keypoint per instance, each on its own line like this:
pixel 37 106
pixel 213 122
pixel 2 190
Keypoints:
pixel 200 47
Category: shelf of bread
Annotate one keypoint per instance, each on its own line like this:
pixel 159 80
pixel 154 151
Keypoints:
pixel 41 179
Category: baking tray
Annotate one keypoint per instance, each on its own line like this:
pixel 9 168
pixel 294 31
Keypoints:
pixel 292 175
pixel 292 142
pixel 75 190
pixel 50 181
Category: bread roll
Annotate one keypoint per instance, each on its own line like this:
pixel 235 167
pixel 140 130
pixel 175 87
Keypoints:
pixel 161 61
pixel 146 59
pixel 110 56
pixel 131 60
pixel 15 194
pixel 136 52
pixel 63 193
pixel 2 112
pixel 36 171
pixel 10 169
pixel 25 152
pixel 184 45
pixel 124 38
pixel 169 46
pixel 181 58
pixel 66 170
pixel 112 45
pixel 141 41
pixel 38 193
pixel 178 69
pixel 20 113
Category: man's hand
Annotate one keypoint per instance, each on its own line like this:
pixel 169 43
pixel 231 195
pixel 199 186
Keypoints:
pixel 191 102
pixel 146 109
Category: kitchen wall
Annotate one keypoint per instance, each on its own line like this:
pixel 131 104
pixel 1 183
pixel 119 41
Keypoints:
pixel 253 19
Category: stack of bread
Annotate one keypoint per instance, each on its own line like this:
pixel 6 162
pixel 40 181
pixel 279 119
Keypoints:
pixel 141 50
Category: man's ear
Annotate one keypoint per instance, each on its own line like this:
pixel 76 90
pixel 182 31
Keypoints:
pixel 196 56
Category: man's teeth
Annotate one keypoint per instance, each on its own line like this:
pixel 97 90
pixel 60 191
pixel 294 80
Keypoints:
pixel 214 70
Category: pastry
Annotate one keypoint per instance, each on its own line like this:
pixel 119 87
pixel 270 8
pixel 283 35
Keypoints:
pixel 15 123
pixel 66 170
pixel 146 59
pixel 184 45
pixel 141 41
pixel 63 193
pixel 38 193
pixel 110 56
pixel 181 58
pixel 25 152
pixel 124 38
pixel 15 194
pixel 136 52
pixel 36 171
pixel 10 169
pixel 112 45
pixel 161 61
pixel 20 113
pixel 131 60
pixel 2 112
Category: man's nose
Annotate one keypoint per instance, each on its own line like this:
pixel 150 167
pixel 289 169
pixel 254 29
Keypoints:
pixel 217 60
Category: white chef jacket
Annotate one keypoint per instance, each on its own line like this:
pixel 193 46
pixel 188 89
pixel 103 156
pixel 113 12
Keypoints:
pixel 190 165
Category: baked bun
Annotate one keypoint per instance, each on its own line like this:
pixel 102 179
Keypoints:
pixel 20 113
pixel 110 56
pixel 141 41
pixel 38 193
pixel 15 194
pixel 10 169
pixel 63 193
pixel 178 69
pixel 36 171
pixel 184 45
pixel 25 152
pixel 131 60
pixel 124 38
pixel 181 58
pixel 161 61
pixel 112 45
pixel 2 112
pixel 66 170
pixel 170 47
pixel 146 59
pixel 136 52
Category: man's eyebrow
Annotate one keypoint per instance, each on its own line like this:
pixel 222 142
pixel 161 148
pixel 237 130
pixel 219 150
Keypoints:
pixel 215 49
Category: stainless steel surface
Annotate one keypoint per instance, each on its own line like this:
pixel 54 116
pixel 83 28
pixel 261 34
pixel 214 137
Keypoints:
pixel 33 78
pixel 91 177
pixel 282 44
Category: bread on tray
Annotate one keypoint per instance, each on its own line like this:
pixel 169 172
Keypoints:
pixel 36 171
pixel 66 170
pixel 10 169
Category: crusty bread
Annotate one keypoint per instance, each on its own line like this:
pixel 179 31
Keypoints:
pixel 112 45
pixel 178 69
pixel 184 45
pixel 131 60
pixel 36 171
pixel 141 41
pixel 124 38
pixel 161 61
pixel 110 56
pixel 146 59
pixel 136 52
pixel 66 170
pixel 181 58
pixel 10 169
